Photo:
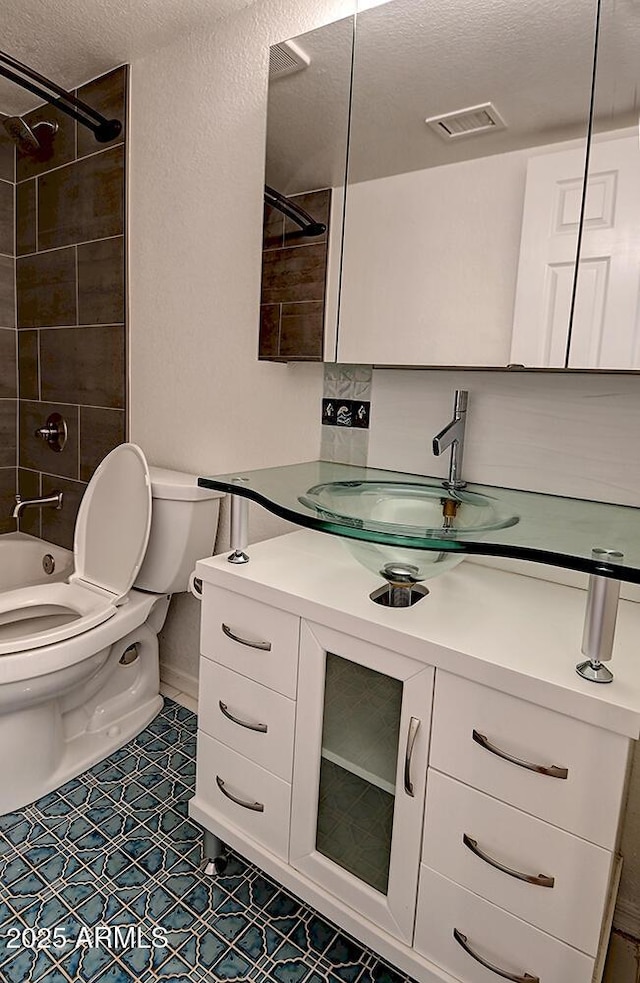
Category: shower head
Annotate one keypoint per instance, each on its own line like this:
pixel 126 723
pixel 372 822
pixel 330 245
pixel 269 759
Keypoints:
pixel 30 139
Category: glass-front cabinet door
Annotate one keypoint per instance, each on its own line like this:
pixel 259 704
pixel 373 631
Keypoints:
pixel 362 738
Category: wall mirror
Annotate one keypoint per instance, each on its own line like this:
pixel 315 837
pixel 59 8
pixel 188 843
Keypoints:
pixel 605 332
pixel 306 154
pixel 459 234
pixel 467 147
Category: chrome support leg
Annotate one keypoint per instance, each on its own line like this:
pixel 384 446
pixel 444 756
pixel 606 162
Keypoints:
pixel 600 621
pixel 215 854
pixel 239 529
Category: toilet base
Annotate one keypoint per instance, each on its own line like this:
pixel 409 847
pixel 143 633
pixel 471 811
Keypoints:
pixel 56 739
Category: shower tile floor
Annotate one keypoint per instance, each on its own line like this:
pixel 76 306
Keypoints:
pixel 102 882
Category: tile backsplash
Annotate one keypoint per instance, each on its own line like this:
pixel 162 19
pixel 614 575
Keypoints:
pixel 70 230
pixel 345 413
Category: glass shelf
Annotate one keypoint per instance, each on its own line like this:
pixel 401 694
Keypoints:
pixel 337 499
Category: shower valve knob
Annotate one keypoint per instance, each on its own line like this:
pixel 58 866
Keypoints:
pixel 54 432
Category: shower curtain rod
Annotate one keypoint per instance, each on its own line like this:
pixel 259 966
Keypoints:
pixel 103 129
pixel 298 215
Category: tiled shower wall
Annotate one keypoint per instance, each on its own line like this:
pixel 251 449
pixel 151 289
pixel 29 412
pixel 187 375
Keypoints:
pixel 70 301
pixel 8 381
pixel 294 274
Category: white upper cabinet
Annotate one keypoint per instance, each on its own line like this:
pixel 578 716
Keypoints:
pixel 434 209
pixel 448 161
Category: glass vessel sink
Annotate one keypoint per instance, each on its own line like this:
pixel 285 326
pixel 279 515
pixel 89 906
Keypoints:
pixel 373 508
pixel 412 510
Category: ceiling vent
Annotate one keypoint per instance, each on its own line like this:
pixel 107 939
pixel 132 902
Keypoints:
pixel 285 59
pixel 467 122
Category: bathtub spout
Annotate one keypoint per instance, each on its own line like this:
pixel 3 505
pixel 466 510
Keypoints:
pixel 54 500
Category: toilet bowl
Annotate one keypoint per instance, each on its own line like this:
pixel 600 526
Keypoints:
pixel 79 672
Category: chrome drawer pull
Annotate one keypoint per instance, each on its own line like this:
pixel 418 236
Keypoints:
pixel 261 728
pixel 553 771
pixel 541 880
pixel 265 646
pixel 514 977
pixel 412 733
pixel 255 806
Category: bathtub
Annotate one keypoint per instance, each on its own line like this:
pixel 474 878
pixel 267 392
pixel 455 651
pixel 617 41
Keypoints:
pixel 21 561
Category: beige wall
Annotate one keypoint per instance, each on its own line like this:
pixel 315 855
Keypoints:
pixel 200 400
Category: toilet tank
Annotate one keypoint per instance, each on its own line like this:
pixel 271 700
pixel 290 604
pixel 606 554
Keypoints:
pixel 184 522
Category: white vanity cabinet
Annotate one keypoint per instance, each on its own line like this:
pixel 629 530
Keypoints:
pixel 458 815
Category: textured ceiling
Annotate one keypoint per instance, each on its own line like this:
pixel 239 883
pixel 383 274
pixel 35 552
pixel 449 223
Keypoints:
pixel 72 41
pixel 414 59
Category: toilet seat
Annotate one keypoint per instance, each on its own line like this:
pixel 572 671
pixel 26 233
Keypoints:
pixel 110 541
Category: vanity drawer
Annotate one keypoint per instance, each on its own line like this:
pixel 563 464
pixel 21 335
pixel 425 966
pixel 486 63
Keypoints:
pixel 247 717
pixel 474 730
pixel 569 906
pixel 501 939
pixel 251 638
pixel 226 780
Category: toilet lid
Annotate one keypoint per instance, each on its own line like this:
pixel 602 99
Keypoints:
pixel 112 529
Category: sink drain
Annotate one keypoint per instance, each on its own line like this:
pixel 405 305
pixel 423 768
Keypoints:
pixel 394 596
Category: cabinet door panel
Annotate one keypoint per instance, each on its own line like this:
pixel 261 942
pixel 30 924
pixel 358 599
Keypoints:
pixel 499 938
pixel 568 905
pixel 243 794
pixel 362 735
pixel 247 717
pixel 586 802
pixel 251 638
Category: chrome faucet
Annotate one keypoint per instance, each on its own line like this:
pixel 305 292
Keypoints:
pixel 54 500
pixel 453 436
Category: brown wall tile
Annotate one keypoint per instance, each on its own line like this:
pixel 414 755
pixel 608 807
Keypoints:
pixel 7 363
pixel 101 282
pixel 26 217
pixel 269 330
pixel 272 228
pixel 58 526
pixel 83 365
pixel 100 431
pixel 47 288
pixel 29 487
pixel 28 362
pixel 294 274
pixel 6 218
pixel 35 454
pixel 58 151
pixel 7 499
pixel 82 201
pixel 302 330
pixel 7 433
pixel 7 157
pixel 108 96
pixel 7 292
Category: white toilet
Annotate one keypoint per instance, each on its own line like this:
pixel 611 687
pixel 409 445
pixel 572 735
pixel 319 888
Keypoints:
pixel 79 673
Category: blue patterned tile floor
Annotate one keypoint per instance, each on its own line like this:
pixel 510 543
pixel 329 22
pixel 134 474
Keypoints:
pixel 102 882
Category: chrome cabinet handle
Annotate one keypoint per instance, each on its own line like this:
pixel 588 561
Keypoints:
pixel 412 733
pixel 553 771
pixel 540 880
pixel 514 977
pixel 255 806
pixel 265 646
pixel 224 709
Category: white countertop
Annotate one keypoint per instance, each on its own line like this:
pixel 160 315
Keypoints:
pixel 512 632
